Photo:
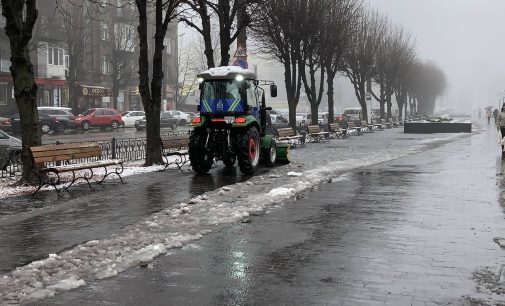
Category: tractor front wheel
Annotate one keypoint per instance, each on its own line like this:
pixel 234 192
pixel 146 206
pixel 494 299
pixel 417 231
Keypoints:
pixel 271 154
pixel 248 151
pixel 201 160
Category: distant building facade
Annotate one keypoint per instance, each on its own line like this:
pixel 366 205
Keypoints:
pixel 94 81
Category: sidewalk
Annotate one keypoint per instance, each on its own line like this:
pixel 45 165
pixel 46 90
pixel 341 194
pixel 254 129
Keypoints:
pixel 414 231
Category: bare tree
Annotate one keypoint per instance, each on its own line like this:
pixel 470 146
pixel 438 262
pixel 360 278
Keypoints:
pixel 384 72
pixel 360 58
pixel 431 83
pixel 76 17
pixel 122 57
pixel 164 12
pixel 406 61
pixel 338 32
pixel 312 69
pixel 199 11
pixel 280 35
pixel 20 18
pixel 188 70
pixel 232 17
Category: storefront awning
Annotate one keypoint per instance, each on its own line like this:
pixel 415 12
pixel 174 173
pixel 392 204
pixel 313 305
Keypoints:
pixel 95 91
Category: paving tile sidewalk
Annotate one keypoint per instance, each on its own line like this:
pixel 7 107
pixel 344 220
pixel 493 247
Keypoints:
pixel 414 231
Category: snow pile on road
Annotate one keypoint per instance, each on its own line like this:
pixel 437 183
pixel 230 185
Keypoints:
pixel 171 228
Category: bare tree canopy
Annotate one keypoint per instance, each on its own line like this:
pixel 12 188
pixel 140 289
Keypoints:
pixel 360 58
pixel 280 35
pixel 232 17
pixel 164 11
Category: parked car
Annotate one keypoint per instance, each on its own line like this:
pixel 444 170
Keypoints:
pixel 10 147
pixel 46 123
pixel 5 124
pixel 129 118
pixel 64 115
pixel 278 119
pixel 166 120
pixel 99 117
pixel 183 117
pixel 192 115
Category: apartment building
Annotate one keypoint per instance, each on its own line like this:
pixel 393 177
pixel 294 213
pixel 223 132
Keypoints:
pixel 106 71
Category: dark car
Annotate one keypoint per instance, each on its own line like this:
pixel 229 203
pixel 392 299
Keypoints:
pixel 64 115
pixel 166 120
pixel 10 150
pixel 46 124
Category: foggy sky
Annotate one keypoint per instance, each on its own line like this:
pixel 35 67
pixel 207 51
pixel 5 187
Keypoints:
pixel 466 38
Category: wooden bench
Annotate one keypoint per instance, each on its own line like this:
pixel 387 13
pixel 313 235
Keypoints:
pixel 288 135
pixel 393 122
pixel 72 155
pixel 386 124
pixel 337 131
pixel 367 128
pixel 315 134
pixel 353 129
pixel 377 125
pixel 175 146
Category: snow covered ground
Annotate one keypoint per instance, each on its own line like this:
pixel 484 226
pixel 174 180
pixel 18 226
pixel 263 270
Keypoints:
pixel 9 188
pixel 196 217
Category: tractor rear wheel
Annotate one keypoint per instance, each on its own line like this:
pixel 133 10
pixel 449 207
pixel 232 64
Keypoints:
pixel 248 150
pixel 201 160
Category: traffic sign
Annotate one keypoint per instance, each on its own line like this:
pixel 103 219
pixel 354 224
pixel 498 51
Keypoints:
pixel 241 62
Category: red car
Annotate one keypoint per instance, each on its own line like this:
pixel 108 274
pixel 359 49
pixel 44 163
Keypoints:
pixel 99 117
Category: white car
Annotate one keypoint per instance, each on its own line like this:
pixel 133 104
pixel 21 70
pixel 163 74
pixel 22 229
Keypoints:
pixel 181 116
pixel 129 118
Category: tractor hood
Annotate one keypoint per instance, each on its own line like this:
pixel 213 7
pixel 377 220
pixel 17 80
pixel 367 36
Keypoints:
pixel 226 72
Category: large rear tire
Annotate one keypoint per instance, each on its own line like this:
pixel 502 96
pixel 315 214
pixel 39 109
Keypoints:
pixel 248 151
pixel 201 160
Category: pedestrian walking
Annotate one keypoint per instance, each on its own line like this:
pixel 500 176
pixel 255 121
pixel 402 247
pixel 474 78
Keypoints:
pixel 488 115
pixel 495 114
pixel 500 124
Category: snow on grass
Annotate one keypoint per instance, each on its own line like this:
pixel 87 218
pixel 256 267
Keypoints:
pixel 9 189
pixel 171 228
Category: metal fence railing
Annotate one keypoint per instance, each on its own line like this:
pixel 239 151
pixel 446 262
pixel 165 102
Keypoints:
pixel 127 149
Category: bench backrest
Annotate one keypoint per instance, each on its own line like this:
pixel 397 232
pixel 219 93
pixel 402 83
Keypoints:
pixel 175 142
pixel 65 152
pixel 313 129
pixel 334 127
pixel 285 132
pixel 364 123
pixel 383 121
pixel 351 124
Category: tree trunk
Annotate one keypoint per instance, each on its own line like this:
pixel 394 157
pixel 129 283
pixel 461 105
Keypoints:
pixel 331 99
pixel 20 19
pixel 389 105
pixel 26 99
pixel 207 39
pixel 314 110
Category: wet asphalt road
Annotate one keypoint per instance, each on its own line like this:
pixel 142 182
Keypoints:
pixel 408 232
pixel 32 228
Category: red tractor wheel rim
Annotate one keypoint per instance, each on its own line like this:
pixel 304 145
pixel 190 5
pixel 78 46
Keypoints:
pixel 252 149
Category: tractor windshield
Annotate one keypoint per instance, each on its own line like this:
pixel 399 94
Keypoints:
pixel 222 96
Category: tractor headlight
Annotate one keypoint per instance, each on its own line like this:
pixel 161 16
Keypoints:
pixel 200 80
pixel 239 78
